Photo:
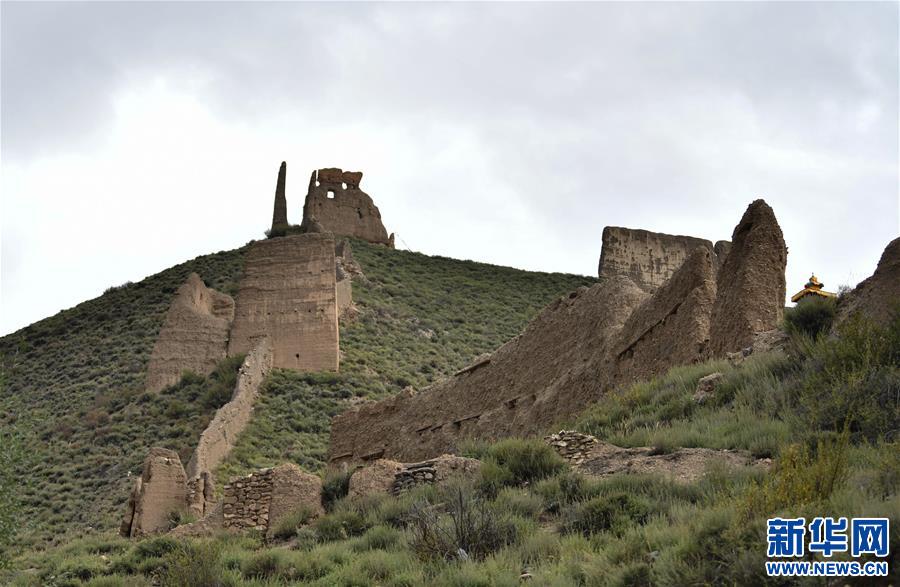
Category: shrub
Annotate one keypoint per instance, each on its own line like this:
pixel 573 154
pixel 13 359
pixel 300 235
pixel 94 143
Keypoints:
pixel 194 565
pixel 341 525
pixel 469 529
pixel 851 381
pixel 266 564
pixel 812 317
pixel 802 476
pixel 335 486
pixel 524 460
pixel 615 513
pixel 288 525
pixel 154 547
pixel 379 538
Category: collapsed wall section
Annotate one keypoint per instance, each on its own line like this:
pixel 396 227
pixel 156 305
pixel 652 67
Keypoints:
pixel 194 335
pixel 336 201
pixel 516 391
pixel 647 258
pixel 287 293
pixel 672 327
pixel 159 492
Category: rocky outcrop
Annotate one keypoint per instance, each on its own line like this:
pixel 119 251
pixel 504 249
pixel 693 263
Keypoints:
pixel 877 297
pixel 230 420
pixel 647 258
pixel 279 214
pixel 549 372
pixel 287 293
pixel 672 326
pixel 194 335
pixel 160 492
pixel 336 201
pixel 751 284
pixel 375 478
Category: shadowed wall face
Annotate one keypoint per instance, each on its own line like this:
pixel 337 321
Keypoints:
pixel 288 294
pixel 335 200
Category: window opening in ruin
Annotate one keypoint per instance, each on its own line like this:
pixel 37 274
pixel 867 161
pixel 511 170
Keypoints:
pixel 344 185
pixel 330 194
pixel 359 213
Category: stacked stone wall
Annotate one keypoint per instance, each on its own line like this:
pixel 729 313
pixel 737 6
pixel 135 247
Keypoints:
pixel 246 501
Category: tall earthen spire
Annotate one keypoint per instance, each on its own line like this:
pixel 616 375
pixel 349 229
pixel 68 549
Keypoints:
pixel 279 216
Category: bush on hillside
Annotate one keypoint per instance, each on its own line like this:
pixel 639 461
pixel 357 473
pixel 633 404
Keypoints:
pixel 470 529
pixel 812 317
pixel 525 460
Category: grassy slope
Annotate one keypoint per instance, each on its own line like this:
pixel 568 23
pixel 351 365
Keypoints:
pixel 828 413
pixel 76 379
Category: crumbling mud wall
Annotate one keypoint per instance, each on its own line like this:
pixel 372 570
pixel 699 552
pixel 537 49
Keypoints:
pixel 279 212
pixel 336 201
pixel 160 491
pixel 287 293
pixel 672 327
pixel 523 386
pixel 647 258
pixel 230 420
pixel 194 335
pixel 877 297
pixel 751 283
pixel 577 349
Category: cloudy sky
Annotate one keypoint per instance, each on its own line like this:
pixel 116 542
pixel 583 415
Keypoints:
pixel 138 135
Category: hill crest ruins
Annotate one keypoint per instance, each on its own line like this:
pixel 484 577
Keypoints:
pixel 662 300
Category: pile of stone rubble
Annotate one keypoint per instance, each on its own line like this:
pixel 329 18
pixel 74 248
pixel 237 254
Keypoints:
pixel 571 445
pixel 414 474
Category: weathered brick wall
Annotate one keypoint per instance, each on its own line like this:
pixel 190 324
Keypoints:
pixel 287 293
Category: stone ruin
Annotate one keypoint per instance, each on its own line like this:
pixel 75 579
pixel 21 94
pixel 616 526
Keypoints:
pixel 194 335
pixel 650 258
pixel 384 476
pixel 580 347
pixel 340 206
pixel 260 500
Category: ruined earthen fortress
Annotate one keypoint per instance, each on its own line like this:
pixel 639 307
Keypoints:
pixel 295 286
pixel 663 301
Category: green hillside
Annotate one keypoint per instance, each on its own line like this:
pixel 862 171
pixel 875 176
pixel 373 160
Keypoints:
pixel 75 381
pixel 827 411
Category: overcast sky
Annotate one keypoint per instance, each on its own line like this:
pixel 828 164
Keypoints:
pixel 136 136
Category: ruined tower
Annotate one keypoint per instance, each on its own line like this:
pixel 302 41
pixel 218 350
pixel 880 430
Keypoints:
pixel 279 215
pixel 336 201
